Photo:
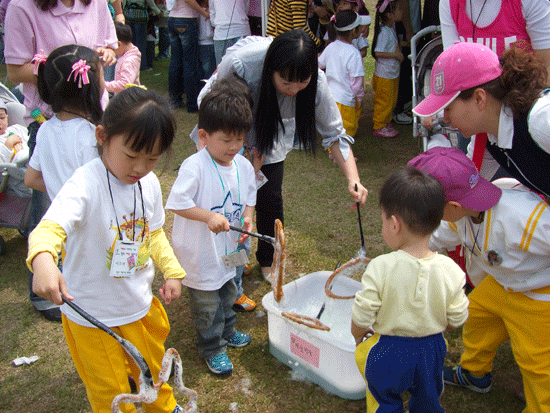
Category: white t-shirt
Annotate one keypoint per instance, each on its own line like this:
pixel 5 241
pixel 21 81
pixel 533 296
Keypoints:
pixel 361 42
pixel 6 154
pixel 341 62
pixel 229 18
pixel 206 31
pixel 61 148
pixel 224 189
pixel 85 211
pixel 387 68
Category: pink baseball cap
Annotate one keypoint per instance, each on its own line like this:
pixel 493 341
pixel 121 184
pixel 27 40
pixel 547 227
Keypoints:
pixel 462 66
pixel 459 178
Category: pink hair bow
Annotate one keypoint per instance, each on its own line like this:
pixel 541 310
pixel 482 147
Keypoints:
pixel 80 70
pixel 333 18
pixel 37 60
pixel 384 5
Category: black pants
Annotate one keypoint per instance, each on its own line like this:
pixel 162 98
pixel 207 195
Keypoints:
pixel 269 206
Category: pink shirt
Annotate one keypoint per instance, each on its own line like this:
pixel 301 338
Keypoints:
pixel 509 27
pixel 29 30
pixel 183 10
pixel 126 71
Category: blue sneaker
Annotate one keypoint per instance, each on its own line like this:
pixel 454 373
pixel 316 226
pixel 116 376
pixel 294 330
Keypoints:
pixel 177 409
pixel 457 376
pixel 219 364
pixel 239 340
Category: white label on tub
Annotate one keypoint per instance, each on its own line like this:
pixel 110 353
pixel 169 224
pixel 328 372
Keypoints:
pixel 306 351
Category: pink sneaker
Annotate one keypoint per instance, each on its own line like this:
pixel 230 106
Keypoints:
pixel 386 132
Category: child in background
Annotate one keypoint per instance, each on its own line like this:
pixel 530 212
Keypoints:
pixel 409 297
pixel 215 188
pixel 506 238
pixel 13 139
pixel 108 215
pixel 230 21
pixel 388 57
pixel 129 60
pixel 207 57
pixel 362 42
pixel 344 67
pixel 71 82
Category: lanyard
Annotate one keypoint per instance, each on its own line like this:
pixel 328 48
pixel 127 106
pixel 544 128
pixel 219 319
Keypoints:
pixel 134 213
pixel 223 189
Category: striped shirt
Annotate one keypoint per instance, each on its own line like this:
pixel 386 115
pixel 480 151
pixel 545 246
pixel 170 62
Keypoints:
pixel 285 15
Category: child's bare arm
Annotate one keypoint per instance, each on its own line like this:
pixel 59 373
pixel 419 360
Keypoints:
pixel 216 222
pixel 389 55
pixel 34 179
pixel 360 333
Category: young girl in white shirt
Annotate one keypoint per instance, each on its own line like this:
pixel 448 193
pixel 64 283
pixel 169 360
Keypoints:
pixel 387 53
pixel 109 217
pixel 344 67
pixel 71 81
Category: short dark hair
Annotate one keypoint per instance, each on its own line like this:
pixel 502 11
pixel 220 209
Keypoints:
pixel 414 196
pixel 143 117
pixel 123 32
pixel 227 107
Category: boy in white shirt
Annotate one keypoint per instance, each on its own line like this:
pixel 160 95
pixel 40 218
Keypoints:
pixel 215 188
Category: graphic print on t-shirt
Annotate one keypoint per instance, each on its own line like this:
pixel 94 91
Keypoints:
pixel 133 230
pixel 229 209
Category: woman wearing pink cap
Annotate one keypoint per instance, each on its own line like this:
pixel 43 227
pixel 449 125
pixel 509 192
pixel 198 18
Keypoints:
pixel 505 102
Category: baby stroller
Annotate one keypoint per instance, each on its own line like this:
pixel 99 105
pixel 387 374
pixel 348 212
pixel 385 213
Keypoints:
pixel 422 64
pixel 15 197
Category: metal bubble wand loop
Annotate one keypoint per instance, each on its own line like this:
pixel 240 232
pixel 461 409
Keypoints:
pixel 148 389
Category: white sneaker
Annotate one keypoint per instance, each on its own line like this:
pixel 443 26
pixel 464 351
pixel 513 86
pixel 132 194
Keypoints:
pixel 402 119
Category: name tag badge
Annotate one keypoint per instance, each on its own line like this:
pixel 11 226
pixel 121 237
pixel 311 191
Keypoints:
pixel 125 257
pixel 235 259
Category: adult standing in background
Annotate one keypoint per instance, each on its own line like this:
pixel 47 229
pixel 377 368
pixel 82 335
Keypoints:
pixel 498 24
pixel 230 21
pixel 183 74
pixel 38 27
pixel 286 15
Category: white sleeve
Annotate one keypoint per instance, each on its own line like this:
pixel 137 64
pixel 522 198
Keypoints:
pixel 449 32
pixel 539 122
pixel 184 189
pixel 537 19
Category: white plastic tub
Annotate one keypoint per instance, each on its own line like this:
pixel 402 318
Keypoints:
pixel 328 358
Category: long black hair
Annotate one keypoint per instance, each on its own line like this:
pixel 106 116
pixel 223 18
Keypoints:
pixel 293 56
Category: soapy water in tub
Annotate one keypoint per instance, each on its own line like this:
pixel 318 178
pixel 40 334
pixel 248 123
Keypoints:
pixel 337 313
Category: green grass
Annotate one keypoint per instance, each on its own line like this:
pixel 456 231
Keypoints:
pixel 321 229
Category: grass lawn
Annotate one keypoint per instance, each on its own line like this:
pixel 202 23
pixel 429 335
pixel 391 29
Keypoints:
pixel 321 229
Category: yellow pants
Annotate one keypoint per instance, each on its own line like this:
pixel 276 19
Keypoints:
pixel 496 315
pixel 385 98
pixel 101 361
pixel 350 117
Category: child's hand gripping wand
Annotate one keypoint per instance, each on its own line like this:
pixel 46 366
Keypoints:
pixel 148 389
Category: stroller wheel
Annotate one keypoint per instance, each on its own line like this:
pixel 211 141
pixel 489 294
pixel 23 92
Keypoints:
pixel 2 245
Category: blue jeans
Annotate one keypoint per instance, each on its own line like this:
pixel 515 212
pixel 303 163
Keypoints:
pixel 213 318
pixel 220 46
pixel 184 60
pixel 139 39
pixel 207 60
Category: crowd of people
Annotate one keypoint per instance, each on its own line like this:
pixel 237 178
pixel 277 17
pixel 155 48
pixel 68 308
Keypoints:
pixel 94 135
